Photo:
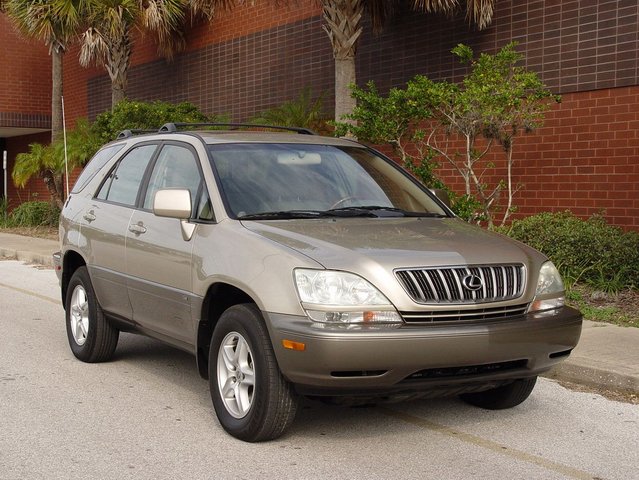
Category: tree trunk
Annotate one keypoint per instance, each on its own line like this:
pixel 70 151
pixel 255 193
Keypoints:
pixel 118 61
pixel 51 184
pixel 57 54
pixel 344 76
pixel 343 27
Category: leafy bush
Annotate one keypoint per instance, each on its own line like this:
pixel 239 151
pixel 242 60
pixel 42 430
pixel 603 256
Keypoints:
pixel 4 208
pixel 134 115
pixel 304 111
pixel 34 214
pixel 589 251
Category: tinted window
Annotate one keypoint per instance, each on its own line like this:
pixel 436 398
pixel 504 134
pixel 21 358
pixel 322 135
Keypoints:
pixel 124 182
pixel 175 167
pixel 259 178
pixel 95 164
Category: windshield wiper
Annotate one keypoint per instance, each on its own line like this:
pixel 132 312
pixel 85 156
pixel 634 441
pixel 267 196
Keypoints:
pixel 344 212
pixel 380 211
pixel 282 215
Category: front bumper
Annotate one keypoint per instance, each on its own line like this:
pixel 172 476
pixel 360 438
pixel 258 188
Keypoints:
pixel 373 360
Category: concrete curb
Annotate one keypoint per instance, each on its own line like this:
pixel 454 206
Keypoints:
pixel 27 257
pixel 594 377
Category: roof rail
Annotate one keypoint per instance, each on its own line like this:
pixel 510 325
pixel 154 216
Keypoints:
pixel 173 127
pixel 130 133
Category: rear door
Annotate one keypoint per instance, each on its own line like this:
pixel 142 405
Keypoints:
pixel 104 226
pixel 158 257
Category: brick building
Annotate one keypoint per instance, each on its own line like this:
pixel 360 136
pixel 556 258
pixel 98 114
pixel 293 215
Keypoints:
pixel 25 103
pixel 585 158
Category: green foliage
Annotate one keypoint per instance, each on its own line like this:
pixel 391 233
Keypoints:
pixel 4 212
pixel 393 119
pixel 497 100
pixel 34 214
pixel 304 111
pixel 86 139
pixel 32 163
pixel 134 115
pixel 466 207
pixel 587 251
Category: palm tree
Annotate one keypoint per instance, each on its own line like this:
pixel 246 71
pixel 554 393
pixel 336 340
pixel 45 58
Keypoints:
pixel 343 24
pixel 107 40
pixel 54 22
pixel 344 27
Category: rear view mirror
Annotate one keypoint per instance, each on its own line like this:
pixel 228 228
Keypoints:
pixel 172 203
pixel 442 195
pixel 299 158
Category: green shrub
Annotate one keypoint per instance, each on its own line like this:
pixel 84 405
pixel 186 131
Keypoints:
pixel 34 214
pixel 588 251
pixel 4 215
pixel 129 114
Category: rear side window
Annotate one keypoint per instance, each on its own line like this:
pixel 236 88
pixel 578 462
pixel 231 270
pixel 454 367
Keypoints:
pixel 123 184
pixel 98 161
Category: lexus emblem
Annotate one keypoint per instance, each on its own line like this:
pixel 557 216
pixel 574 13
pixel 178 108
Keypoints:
pixel 472 282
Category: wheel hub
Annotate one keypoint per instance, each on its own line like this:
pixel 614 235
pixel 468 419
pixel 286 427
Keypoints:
pixel 235 374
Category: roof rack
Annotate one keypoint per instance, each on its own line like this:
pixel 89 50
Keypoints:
pixel 173 127
pixel 130 133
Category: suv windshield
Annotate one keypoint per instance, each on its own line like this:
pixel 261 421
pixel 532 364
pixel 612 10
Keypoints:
pixel 292 181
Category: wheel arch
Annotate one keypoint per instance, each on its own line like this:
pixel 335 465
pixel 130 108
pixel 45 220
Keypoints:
pixel 219 297
pixel 70 263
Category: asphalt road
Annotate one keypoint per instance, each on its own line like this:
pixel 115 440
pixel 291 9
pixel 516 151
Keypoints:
pixel 147 414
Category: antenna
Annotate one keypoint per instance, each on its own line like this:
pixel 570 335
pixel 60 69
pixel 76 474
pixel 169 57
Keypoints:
pixel 66 158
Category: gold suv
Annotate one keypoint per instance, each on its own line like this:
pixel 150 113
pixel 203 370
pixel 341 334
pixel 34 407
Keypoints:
pixel 293 264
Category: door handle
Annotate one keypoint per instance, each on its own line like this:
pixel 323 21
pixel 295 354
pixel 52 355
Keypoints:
pixel 137 228
pixel 89 216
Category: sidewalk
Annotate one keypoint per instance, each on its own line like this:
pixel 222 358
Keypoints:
pixel 607 355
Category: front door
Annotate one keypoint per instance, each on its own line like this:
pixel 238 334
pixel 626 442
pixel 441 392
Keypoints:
pixel 158 257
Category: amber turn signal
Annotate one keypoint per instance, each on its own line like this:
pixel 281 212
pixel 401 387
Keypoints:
pixel 291 345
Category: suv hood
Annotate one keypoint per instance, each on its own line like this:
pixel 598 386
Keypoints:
pixel 352 243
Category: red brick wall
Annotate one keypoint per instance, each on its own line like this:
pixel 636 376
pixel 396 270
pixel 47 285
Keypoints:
pixel 25 79
pixel 585 158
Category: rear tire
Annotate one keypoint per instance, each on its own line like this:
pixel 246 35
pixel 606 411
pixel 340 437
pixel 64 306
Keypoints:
pixel 500 398
pixel 91 337
pixel 252 400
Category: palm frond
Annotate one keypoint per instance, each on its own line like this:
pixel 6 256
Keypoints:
pixel 480 12
pixel 93 47
pixel 30 164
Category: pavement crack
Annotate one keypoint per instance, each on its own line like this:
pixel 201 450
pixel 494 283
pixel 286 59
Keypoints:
pixel 566 470
pixel 29 292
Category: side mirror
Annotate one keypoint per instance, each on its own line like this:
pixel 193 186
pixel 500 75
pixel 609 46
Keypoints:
pixel 442 195
pixel 172 203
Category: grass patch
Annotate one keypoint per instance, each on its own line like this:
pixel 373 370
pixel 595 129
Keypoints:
pixel 620 309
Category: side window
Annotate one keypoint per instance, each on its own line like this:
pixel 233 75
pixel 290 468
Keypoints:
pixel 95 164
pixel 175 167
pixel 124 182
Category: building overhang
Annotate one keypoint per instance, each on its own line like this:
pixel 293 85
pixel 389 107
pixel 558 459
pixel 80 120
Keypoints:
pixel 8 132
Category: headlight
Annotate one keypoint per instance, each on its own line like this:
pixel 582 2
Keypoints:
pixel 330 296
pixel 550 289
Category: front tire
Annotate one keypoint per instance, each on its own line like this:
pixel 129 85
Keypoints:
pixel 500 398
pixel 252 400
pixel 91 337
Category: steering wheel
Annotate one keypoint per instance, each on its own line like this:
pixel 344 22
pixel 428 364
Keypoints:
pixel 341 201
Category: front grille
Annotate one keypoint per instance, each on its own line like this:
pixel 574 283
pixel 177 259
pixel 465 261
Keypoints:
pixel 471 284
pixel 462 316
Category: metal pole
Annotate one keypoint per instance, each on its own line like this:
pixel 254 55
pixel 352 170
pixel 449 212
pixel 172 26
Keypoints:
pixel 66 159
pixel 4 169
